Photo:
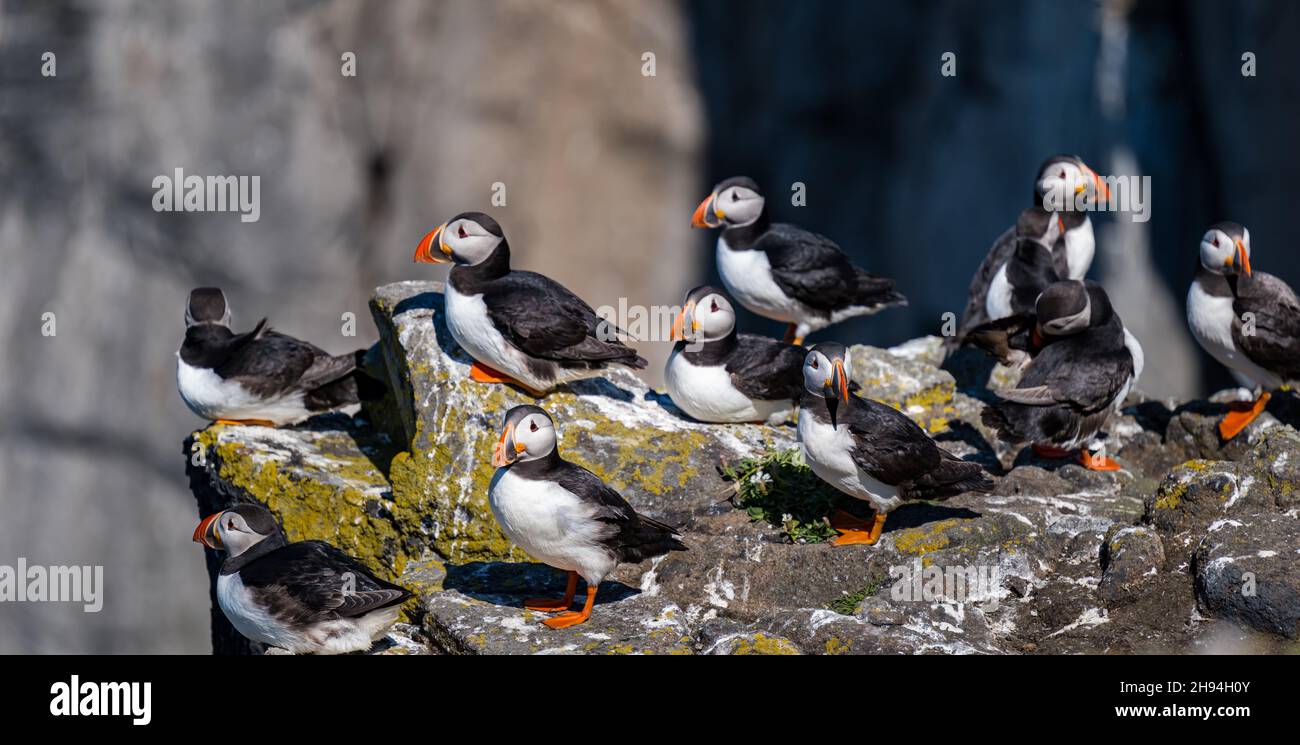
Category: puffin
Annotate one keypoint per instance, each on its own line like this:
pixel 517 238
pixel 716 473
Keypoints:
pixel 717 375
pixel 259 377
pixel 1063 181
pixel 871 451
pixel 782 271
pixel 1248 321
pixel 563 515
pixel 520 327
pixel 305 597
pixel 1084 362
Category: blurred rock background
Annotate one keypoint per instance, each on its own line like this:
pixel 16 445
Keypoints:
pixel 912 172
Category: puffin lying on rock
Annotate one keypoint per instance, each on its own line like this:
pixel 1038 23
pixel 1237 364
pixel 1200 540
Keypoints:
pixel 717 375
pixel 784 272
pixel 260 376
pixel 1249 321
pixel 1084 364
pixel 563 515
pixel 306 597
pixel 520 327
pixel 871 451
pixel 1068 234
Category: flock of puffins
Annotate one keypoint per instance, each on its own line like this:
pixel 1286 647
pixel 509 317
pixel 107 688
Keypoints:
pixel 1029 306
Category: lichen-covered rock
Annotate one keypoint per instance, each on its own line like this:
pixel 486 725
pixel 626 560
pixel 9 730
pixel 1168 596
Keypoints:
pixel 1246 571
pixel 1131 555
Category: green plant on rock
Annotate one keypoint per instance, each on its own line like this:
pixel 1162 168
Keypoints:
pixel 780 489
pixel 846 604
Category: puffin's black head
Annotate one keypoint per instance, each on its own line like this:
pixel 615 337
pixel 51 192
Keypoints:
pixel 1225 249
pixel 707 315
pixel 527 433
pixel 207 305
pixel 733 202
pixel 1062 177
pixel 826 371
pixel 1064 308
pixel 238 529
pixel 467 239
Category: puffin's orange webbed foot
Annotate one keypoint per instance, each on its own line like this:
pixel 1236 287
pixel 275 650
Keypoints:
pixel 1050 452
pixel 1097 462
pixel 247 422
pixel 565 620
pixel 547 605
pixel 791 334
pixel 861 537
pixel 1239 418
pixel 484 374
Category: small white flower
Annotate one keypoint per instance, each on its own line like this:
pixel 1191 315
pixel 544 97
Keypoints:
pixel 760 478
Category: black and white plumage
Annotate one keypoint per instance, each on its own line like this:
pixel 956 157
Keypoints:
pixel 1249 321
pixel 306 597
pixel 515 323
pixel 871 451
pixel 260 376
pixel 1063 182
pixel 782 271
pixel 563 515
pixel 1086 363
pixel 717 375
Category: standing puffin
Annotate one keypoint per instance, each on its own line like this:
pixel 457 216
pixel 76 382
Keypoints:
pixel 563 515
pixel 520 327
pixel 258 377
pixel 871 451
pixel 302 597
pixel 1249 321
pixel 784 272
pixel 1085 364
pixel 1063 182
pixel 717 375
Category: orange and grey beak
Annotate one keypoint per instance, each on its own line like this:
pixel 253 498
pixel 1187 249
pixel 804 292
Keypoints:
pixel 840 380
pixel 424 252
pixel 1103 191
pixel 206 532
pixel 679 323
pixel 707 215
pixel 1242 257
pixel 506 450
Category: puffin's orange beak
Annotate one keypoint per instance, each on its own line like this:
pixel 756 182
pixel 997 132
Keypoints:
pixel 679 323
pixel 1243 257
pixel 1103 191
pixel 503 454
pixel 841 380
pixel 205 534
pixel 701 218
pixel 424 252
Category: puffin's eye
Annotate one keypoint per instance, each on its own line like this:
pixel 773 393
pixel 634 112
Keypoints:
pixel 815 365
pixel 1062 173
pixel 714 305
pixel 230 525
pixel 1216 241
pixel 460 231
pixel 735 197
pixel 532 426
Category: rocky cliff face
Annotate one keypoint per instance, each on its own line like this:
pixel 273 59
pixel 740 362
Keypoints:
pixel 1192 547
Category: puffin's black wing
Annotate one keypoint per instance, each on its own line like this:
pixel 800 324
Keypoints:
pixel 1076 371
pixel 1274 341
pixel 545 320
pixel 631 536
pixel 270 363
pixel 1006 336
pixel 312 581
pixel 977 296
pixel 766 369
pixel 812 269
pixel 892 449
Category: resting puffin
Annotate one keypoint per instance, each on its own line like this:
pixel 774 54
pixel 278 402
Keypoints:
pixel 302 597
pixel 258 377
pixel 1085 364
pixel 520 327
pixel 1262 349
pixel 784 272
pixel 871 451
pixel 1064 181
pixel 564 515
pixel 717 375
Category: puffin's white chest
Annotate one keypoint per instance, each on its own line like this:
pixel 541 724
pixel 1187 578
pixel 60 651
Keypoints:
pixel 708 394
pixel 1080 247
pixel 747 275
pixel 827 451
pixel 472 328
pixel 1210 318
pixel 551 524
pixel 211 397
pixel 997 303
pixel 248 618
